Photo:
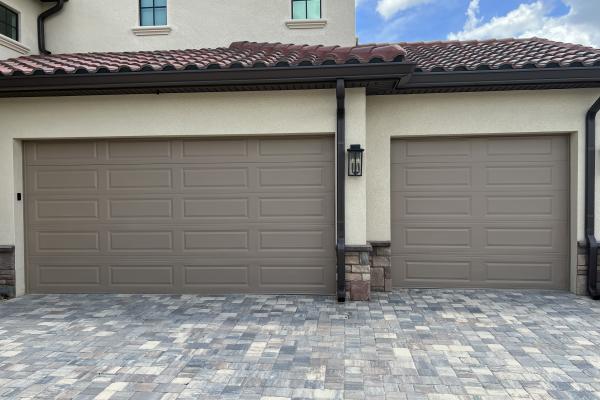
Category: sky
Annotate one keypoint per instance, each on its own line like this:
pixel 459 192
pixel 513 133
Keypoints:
pixel 572 21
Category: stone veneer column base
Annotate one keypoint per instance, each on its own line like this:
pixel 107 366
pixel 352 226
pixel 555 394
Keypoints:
pixel 381 266
pixel 358 273
pixel 7 271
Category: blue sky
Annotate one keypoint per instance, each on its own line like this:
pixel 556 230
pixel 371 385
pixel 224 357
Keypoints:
pixel 576 21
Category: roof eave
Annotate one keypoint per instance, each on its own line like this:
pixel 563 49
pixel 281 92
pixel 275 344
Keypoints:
pixel 509 79
pixel 232 79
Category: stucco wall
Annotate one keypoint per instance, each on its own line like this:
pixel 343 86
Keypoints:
pixel 28 12
pixel 92 25
pixel 215 114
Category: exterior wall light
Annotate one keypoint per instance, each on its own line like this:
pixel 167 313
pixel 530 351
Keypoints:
pixel 355 160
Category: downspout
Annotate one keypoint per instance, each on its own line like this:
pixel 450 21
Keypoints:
pixel 340 93
pixel 40 24
pixel 590 200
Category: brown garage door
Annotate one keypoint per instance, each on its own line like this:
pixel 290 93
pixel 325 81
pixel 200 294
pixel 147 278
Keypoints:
pixel 180 216
pixel 480 212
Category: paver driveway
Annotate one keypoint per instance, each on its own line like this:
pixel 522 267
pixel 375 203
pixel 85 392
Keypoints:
pixel 430 344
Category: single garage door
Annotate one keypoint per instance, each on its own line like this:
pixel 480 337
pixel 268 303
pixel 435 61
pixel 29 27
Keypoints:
pixel 180 216
pixel 480 212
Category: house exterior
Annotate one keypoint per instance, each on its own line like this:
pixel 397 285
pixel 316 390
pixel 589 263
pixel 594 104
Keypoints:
pixel 220 163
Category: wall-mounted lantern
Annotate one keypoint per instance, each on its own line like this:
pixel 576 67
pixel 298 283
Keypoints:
pixel 355 160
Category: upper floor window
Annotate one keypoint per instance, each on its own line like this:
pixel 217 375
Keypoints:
pixel 306 9
pixel 153 12
pixel 9 23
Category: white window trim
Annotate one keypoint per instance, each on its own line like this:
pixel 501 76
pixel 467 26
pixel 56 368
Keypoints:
pixel 306 23
pixel 151 30
pixel 12 44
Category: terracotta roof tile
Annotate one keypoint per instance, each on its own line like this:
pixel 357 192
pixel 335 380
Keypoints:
pixel 429 57
pixel 237 55
pixel 498 54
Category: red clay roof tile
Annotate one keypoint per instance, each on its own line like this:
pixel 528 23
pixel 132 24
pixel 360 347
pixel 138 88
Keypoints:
pixel 498 54
pixel 429 57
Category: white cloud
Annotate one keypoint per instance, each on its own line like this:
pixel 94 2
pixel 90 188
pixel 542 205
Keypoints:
pixel 388 8
pixel 579 25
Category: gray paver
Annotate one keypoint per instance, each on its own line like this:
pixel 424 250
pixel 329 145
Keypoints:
pixel 408 344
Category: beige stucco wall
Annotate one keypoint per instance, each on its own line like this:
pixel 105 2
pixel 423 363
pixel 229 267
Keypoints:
pixel 92 25
pixel 213 114
pixel 28 12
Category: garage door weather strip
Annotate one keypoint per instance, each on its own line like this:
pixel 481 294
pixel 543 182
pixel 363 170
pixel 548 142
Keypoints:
pixel 590 200
pixel 340 93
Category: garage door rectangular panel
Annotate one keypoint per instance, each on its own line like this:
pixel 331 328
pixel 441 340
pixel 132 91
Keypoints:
pixel 66 242
pixel 291 177
pixel 141 275
pixel 75 275
pixel 64 179
pixel 207 178
pixel 132 150
pixel 430 151
pixel 137 208
pixel 525 206
pixel 221 275
pixel 437 237
pixel 520 146
pixel 293 207
pixel 528 149
pixel 216 208
pixel 140 179
pixel 53 152
pixel 215 150
pixel 312 240
pixel 515 209
pixel 433 205
pixel 83 210
pixel 421 270
pixel 146 241
pixel 216 240
pixel 182 215
pixel 533 271
pixel 437 270
pixel 437 176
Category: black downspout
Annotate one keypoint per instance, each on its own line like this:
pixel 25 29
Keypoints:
pixel 340 93
pixel 40 24
pixel 590 200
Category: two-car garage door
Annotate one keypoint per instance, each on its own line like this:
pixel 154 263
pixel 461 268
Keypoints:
pixel 480 212
pixel 180 216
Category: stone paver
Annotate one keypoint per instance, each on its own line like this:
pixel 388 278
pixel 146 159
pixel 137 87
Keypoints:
pixel 409 344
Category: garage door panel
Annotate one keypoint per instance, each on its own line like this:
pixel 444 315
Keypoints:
pixel 530 148
pixel 62 151
pixel 426 150
pixel 480 212
pixel 142 275
pixel 145 150
pixel 488 205
pixel 480 237
pixel 179 216
pixel 63 179
pixel 527 176
pixel 59 209
pixel 431 270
